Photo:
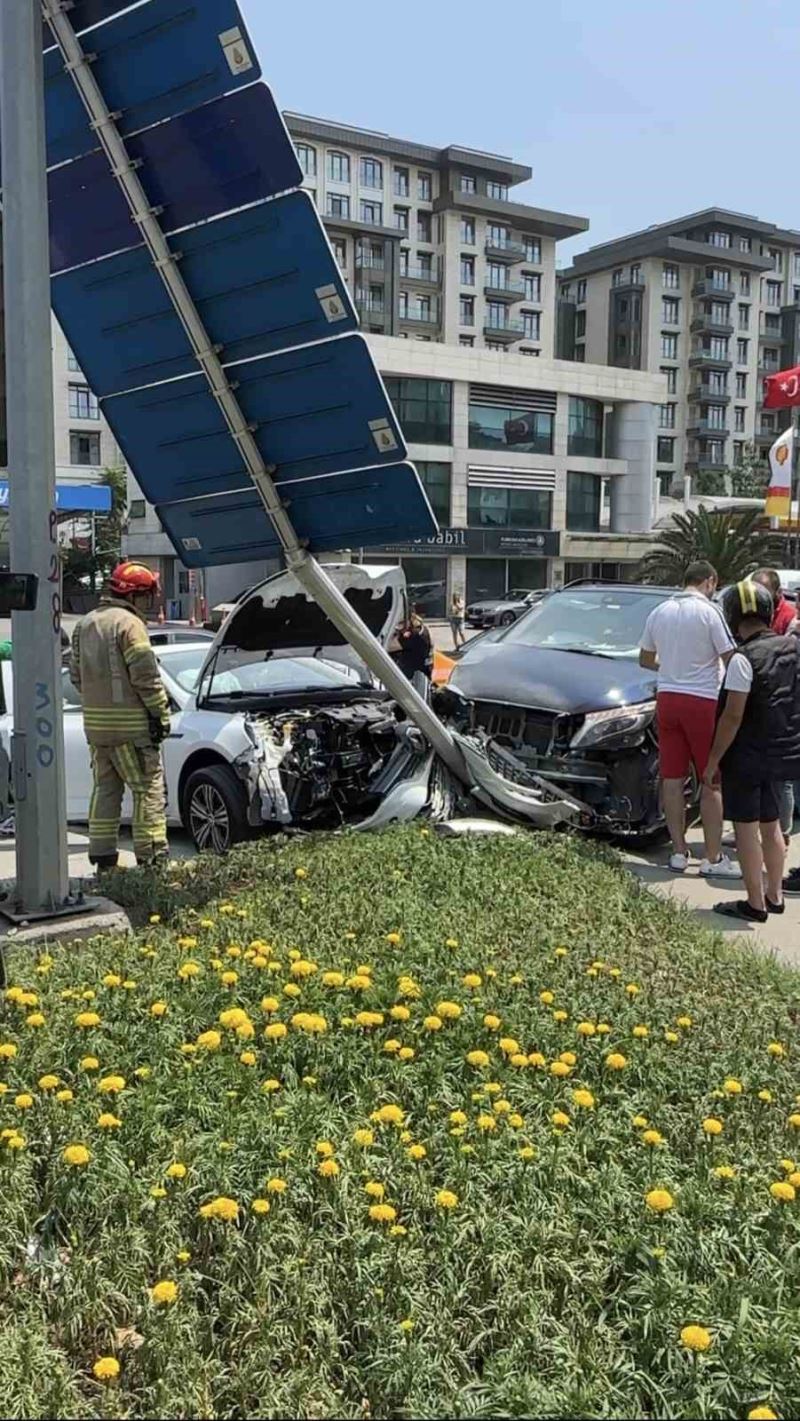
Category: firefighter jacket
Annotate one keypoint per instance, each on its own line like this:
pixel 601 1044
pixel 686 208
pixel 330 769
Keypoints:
pixel 116 672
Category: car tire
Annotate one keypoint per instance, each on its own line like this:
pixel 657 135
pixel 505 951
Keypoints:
pixel 214 809
pixel 506 619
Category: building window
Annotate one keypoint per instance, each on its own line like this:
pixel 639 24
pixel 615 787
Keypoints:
pixel 533 250
pixel 579 356
pixel 532 282
pixel 669 346
pixel 402 304
pixel 466 340
pixel 666 416
pixel 671 276
pixel 401 219
pixel 585 435
pixel 745 244
pixel 741 385
pixel 423 408
pixel 401 182
pixel 772 324
pixel 672 378
pixel 509 508
pixel 744 282
pixel 636 275
pixel 774 289
pixel 796 295
pixel 584 493
pixel 466 183
pixel 425 265
pixel 496 276
pixel 436 482
pixel 770 358
pixel 338 205
pixel 82 403
pixel 738 451
pixel 307 157
pixel 531 321
pixel 670 311
pixel 617 277
pixel 137 508
pixel 580 325
pixel 497 236
pixel 715 416
pixel 424 226
pixel 424 187
pixel 467 271
pixel 521 431
pixel 372 213
pixel 665 450
pixel 744 318
pixel 84 449
pixel 717 383
pixel 496 315
pixel 738 419
pixel 467 232
pixel 371 172
pixel 718 278
pixel 717 348
pixel 499 191
pixel 72 362
pixel 742 347
pixel 338 167
pixel 339 245
pixel 776 257
pixel 580 291
pixel 466 310
pixel 719 239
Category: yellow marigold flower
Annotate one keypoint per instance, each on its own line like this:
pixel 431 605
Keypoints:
pixel 328 1168
pixel 303 968
pixel 188 1048
pixel 107 1121
pixel 493 1088
pixel 652 1137
pixel 233 1017
pixel 23 1101
pixel 176 1170
pixel 324 1148
pixel 536 1059
pixel 76 1155
pixel 448 1011
pixel 632 989
pixel 491 1022
pixel 546 998
pixel 794 1178
pixel 568 1057
pixel 106 1369
pixel 508 1045
pixel 640 1122
pixel 671 1037
pixel 519 1059
pixel 389 1115
pixel 291 989
pixel 359 982
pixel 765 1096
pixel 515 1120
pixel 301 873
pixel 407 1324
pixel 724 1171
pixel 486 1122
pixel 158 1192
pixel 527 1152
pixel 65 1095
pixel 732 1086
pixel 446 1199
pixel 394 939
pixel 586 1028
pixel 164 1293
pixel 276 1185
pixel 220 1208
pixel 392 1046
pixel 269 1005
pixel 8 1051
pixel 416 1152
pixel 185 943
pixel 788 1165
pixel 111 1085
pixel 794 1121
pixel 695 1339
pixel 783 1191
pixel 473 980
pixel 603 1028
pixel 90 1063
pixel 209 1040
pixel 374 1189
pixel 87 1019
pixel 111 979
pixel 684 1022
pixel 363 1138
pixel 502 1107
pixel 382 1213
pixel 260 1206
pixel 399 1013
pixel 559 1068
pixel 641 1031
pixel 477 1058
pixel 275 1031
pixel 333 979
pixel 560 1119
pixel 776 1049
pixel 433 1023
pixel 457 1117
pixel 561 952
pixel 583 1099
pixel 615 1061
pixel 451 942
pixel 712 1126
pixel 762 1413
pixel 659 1201
pixel 560 1015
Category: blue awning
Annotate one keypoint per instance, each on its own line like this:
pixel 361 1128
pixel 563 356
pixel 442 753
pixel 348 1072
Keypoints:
pixel 72 498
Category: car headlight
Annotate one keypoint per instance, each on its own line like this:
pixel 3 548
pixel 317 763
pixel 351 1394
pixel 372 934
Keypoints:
pixel 600 726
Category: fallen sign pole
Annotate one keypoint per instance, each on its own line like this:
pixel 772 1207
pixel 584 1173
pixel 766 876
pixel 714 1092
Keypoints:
pixel 309 573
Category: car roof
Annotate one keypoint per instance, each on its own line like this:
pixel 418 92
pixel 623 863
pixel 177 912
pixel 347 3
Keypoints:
pixel 175 648
pixel 617 587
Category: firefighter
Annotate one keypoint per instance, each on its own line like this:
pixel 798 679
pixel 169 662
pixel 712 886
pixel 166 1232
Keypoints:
pixel 125 716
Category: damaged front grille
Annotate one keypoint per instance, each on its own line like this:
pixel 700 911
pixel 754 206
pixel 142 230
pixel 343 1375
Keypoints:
pixel 544 732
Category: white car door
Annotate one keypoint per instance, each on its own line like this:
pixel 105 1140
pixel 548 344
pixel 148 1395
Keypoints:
pixel 77 760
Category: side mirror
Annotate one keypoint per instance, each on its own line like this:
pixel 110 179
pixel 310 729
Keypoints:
pixel 18 592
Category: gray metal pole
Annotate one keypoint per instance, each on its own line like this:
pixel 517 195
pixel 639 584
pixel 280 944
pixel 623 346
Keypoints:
pixel 38 741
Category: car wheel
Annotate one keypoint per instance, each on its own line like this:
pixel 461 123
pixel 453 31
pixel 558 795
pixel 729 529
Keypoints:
pixel 507 618
pixel 214 809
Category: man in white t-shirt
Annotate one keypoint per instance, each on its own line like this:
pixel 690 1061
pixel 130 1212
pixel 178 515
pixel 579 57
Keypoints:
pixel 687 641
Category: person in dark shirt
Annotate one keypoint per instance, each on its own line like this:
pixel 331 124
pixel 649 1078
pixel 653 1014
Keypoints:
pixel 416 647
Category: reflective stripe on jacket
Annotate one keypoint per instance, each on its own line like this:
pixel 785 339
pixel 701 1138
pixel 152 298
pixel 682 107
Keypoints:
pixel 116 672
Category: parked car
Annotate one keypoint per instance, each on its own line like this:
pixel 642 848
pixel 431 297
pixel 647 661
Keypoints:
pixel 177 633
pixel 560 693
pixel 501 611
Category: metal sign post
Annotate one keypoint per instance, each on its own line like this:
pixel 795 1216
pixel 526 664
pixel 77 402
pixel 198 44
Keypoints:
pixel 38 741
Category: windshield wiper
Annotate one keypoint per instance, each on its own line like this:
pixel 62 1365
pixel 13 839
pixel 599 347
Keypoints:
pixel 583 651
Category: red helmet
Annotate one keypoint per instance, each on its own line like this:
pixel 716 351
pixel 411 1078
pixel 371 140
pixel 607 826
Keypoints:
pixel 130 577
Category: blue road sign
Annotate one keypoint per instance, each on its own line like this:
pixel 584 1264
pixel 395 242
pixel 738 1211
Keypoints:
pixel 221 156
pixel 85 13
pixel 161 59
pixel 263 280
pixel 364 508
pixel 313 411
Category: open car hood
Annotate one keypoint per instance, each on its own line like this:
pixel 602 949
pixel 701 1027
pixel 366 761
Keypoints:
pixel 278 617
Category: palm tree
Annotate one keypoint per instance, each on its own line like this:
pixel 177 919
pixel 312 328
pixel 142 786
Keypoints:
pixel 734 543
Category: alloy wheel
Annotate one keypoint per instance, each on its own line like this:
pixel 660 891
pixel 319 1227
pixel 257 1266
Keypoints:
pixel 209 821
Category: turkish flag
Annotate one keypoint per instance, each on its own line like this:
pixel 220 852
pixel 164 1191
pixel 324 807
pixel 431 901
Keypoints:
pixel 782 390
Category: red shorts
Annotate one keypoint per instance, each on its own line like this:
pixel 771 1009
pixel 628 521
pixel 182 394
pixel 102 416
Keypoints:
pixel 686 726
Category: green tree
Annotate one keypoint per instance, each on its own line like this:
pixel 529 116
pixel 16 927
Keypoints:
pixel 735 543
pixel 96 562
pixel 750 478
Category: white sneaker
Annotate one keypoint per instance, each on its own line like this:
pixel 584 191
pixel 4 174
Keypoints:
pixel 679 862
pixel 723 868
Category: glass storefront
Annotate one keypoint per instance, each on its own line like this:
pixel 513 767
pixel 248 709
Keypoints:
pixel 509 508
pixel 436 482
pixel 585 435
pixel 584 498
pixel 423 407
pixel 493 577
pixel 520 431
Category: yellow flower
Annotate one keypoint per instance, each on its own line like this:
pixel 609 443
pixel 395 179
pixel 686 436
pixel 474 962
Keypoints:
pixel 641 1031
pixel 155 918
pixel 784 1192
pixel 333 979
pixel 407 1324
pixel 76 1155
pixel 762 1413
pixel 106 1369
pixel 516 1121
pixel 546 998
pixel 276 1185
pixel 324 1149
pixel 15 1141
pixel 189 969
pixel 111 1085
pixel 559 1068
pixel 520 1060
pixel 684 1022
pixel 368 1019
pixel 724 1171
pixel 492 1022
pixel 794 1178
pixel 794 1121
pixel 712 1126
pixel 389 1115
pixel 659 1201
pixel 473 980
pixel 615 1061
pixel 671 1037
pixel 394 939
pixel 164 1293
pixel 559 1119
pixel 65 1096
pixel 220 1208
pixel 23 1101
pixel 382 1213
pixel 560 1015
pixel 185 943
pixel 90 1063
pixel 536 1059
pixel 233 1017
pixel 433 1023
pixel 457 1117
pixel 107 1121
pixel 632 989
pixel 328 1169
pixel 209 1040
pixel 446 1199
pixel 359 982
pixel 364 1138
pixel 87 1018
pixel 478 1059
pixel 374 1189
pixel 188 1048
pixel 586 1028
pixel 158 1192
pixel 399 1013
pixel 260 1206
pixel 652 1137
pixel 8 1051
pixel 269 1005
pixel 275 1031
pixel 568 1057
pixel 303 968
pixel 561 952
pixel 416 1152
pixel 775 1049
pixel 158 1009
pixel 583 1099
pixel 508 1045
pixel 732 1087
pixel 695 1339
pixel 502 1107
pixel 301 873
pixel 176 1170
pixel 788 1165
pixel 486 1122
pixel 448 1011
pixel 291 989
pixel 639 1122
pixel 316 1025
pixel 527 1152
pixel 765 1096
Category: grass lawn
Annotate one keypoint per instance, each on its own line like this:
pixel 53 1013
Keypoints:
pixel 395 1126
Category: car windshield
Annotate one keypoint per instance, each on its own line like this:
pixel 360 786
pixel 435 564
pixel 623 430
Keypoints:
pixel 277 676
pixel 184 667
pixel 517 594
pixel 598 621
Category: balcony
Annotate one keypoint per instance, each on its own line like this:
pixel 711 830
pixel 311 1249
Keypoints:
pixel 505 251
pixel 708 325
pixel 704 360
pixel 508 291
pixel 710 288
pixel 365 307
pixel 424 276
pixel 765 370
pixel 703 461
pixel 704 395
pixel 701 429
pixel 770 337
pixel 505 330
pixel 367 262
pixel 419 316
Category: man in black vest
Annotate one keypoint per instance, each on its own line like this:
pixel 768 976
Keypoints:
pixel 757 745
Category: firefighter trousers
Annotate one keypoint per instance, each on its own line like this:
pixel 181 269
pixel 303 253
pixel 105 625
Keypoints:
pixel 139 769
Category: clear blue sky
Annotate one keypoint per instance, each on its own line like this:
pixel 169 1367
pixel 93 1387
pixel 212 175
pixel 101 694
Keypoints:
pixel 617 105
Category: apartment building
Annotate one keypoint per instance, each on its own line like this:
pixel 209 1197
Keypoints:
pixel 712 302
